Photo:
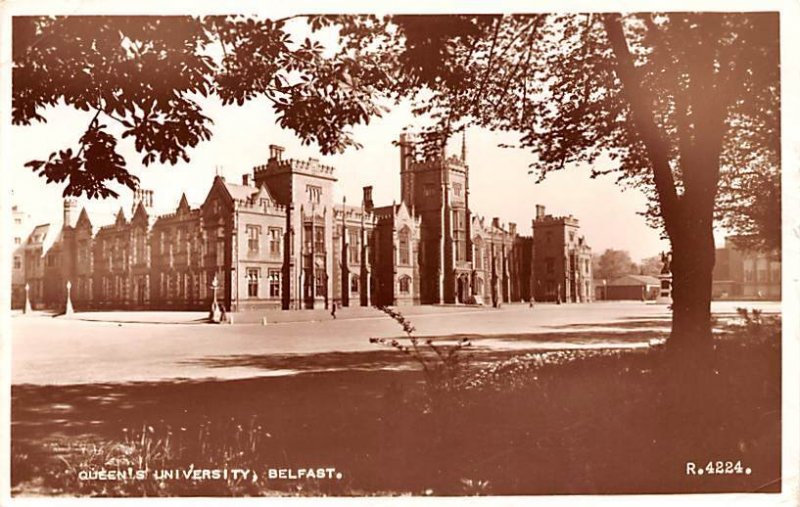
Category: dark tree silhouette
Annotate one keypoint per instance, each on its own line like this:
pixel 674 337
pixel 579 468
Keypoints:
pixel 150 73
pixel 684 105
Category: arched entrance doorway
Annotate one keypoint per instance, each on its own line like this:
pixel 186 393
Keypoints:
pixel 462 289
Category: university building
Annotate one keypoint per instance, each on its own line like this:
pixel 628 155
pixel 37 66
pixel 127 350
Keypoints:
pixel 277 239
pixel 740 273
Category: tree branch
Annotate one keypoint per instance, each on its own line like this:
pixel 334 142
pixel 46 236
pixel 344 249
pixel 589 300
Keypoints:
pixel 642 115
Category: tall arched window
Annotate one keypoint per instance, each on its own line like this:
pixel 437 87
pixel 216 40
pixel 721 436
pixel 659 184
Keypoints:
pixel 404 247
pixel 478 247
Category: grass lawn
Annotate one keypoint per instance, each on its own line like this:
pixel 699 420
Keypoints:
pixel 560 422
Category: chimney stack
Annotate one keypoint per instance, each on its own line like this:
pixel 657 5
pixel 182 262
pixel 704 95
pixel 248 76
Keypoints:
pixel 540 213
pixel 70 211
pixel 141 195
pixel 368 204
pixel 512 228
pixel 496 222
pixel 276 152
pixel 406 150
pixel 246 180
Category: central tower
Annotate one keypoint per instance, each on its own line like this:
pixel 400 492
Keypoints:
pixel 436 188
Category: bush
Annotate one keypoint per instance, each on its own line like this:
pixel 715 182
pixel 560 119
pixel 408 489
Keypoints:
pixel 443 366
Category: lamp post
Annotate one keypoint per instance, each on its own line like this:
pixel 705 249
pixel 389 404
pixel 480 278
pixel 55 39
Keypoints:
pixel 214 314
pixel 68 309
pixel 27 308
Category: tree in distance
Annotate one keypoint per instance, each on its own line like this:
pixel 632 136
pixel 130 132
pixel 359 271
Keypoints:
pixel 613 264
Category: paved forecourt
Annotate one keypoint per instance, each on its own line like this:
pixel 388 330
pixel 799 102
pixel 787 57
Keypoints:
pixel 153 346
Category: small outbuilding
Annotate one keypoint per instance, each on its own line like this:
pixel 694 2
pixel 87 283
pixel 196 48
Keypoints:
pixel 629 287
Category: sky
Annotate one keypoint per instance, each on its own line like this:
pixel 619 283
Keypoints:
pixel 500 185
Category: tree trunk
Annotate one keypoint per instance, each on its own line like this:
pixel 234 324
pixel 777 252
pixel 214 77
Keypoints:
pixel 690 342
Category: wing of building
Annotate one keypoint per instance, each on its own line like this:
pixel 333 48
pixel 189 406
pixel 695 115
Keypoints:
pixel 740 273
pixel 278 240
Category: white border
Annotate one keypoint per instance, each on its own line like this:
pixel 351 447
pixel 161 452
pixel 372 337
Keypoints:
pixel 790 21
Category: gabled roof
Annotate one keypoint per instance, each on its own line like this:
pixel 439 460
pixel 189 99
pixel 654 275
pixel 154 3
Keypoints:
pixel 239 192
pixel 39 234
pixel 83 219
pixel 47 236
pixel 120 219
pixel 140 213
pixel 263 193
pixel 183 205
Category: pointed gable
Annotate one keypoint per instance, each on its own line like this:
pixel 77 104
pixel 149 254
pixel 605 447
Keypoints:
pixel 183 205
pixel 120 218
pixel 83 220
pixel 140 215
pixel 264 194
pixel 402 212
pixel 218 193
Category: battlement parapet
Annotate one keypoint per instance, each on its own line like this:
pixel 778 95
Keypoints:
pixel 557 220
pixel 312 166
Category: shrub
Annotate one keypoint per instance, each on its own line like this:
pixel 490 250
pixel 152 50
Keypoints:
pixel 443 366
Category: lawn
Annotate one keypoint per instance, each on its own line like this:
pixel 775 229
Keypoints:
pixel 557 422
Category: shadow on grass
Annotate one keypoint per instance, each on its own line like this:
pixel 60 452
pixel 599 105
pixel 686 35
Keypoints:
pixel 591 425
pixel 503 346
pixel 661 324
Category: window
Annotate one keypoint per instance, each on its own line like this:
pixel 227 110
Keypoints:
pixel 354 284
pixel 320 284
pixel 478 257
pixel 550 265
pixel 314 193
pixel 404 247
pixel 253 236
pixel 307 238
pixel 458 223
pixel 275 241
pixel 139 247
pixel 17 262
pixel 319 239
pixel 220 252
pixel 18 221
pixel 457 189
pixel 571 236
pixel 429 190
pixel 83 252
pixel 17 240
pixel 405 285
pixel 274 283
pixel 253 275
pixel 353 245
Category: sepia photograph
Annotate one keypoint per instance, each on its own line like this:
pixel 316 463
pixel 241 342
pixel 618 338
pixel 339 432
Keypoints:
pixel 405 254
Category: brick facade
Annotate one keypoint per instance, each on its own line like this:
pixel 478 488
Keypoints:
pixel 278 240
